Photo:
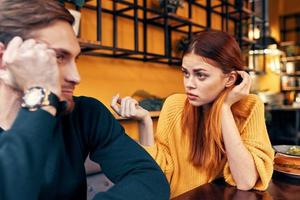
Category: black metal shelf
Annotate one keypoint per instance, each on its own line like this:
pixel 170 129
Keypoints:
pixel 142 15
pixel 291 58
pixel 290 74
pixel 290 26
pixel 291 88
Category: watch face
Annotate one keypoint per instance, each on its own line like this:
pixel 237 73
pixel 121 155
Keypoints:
pixel 34 97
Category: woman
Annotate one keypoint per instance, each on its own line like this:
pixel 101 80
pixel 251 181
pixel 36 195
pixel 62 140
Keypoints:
pixel 216 129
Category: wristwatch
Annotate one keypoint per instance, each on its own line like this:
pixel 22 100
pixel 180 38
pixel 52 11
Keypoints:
pixel 37 97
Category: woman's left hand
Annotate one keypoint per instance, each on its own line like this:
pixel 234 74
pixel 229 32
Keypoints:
pixel 239 91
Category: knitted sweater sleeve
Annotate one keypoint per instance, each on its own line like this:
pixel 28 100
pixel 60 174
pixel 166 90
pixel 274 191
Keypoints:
pixel 160 151
pixel 255 137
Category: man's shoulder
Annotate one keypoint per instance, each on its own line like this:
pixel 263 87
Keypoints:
pixel 87 101
pixel 88 104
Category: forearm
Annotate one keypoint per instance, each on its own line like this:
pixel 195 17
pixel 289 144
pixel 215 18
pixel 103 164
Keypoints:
pixel 23 152
pixel 147 185
pixel 240 160
pixel 146 136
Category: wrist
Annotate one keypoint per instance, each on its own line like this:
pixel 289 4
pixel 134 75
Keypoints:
pixel 146 119
pixel 38 97
pixel 50 109
pixel 225 107
pixel 54 90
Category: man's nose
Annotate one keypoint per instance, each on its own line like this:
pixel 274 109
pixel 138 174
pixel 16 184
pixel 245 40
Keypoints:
pixel 72 74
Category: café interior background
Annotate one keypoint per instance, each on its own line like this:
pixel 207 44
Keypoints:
pixel 104 77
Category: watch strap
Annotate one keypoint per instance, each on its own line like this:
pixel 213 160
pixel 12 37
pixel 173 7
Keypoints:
pixel 52 100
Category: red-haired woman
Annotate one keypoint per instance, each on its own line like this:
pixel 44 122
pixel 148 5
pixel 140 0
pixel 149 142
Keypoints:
pixel 216 129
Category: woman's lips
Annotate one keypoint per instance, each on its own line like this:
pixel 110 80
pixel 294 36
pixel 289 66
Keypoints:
pixel 192 96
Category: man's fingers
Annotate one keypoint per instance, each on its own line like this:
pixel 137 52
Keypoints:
pixel 28 44
pixel 40 46
pixel 11 50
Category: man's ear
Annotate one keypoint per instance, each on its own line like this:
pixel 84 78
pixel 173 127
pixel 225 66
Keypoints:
pixel 2 48
pixel 231 78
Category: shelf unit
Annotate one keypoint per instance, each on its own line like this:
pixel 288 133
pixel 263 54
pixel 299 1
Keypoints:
pixel 290 35
pixel 235 15
pixel 290 27
pixel 284 127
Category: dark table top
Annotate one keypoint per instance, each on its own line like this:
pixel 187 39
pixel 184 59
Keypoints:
pixel 281 187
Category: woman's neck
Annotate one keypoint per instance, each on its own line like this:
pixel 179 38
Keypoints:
pixel 206 108
pixel 10 103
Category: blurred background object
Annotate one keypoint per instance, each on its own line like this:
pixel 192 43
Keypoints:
pixel 148 101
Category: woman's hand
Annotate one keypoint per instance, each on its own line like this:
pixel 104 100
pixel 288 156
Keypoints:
pixel 239 91
pixel 128 107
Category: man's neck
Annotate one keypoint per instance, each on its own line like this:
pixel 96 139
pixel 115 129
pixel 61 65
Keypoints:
pixel 10 103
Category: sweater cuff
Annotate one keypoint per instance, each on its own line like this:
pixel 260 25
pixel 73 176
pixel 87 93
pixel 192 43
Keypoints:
pixel 152 150
pixel 37 119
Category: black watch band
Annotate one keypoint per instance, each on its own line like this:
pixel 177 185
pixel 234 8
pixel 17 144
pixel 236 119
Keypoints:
pixel 53 100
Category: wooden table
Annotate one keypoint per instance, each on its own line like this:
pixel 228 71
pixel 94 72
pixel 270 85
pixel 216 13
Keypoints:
pixel 280 188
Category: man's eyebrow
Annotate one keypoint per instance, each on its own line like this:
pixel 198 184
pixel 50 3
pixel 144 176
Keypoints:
pixel 61 51
pixel 65 52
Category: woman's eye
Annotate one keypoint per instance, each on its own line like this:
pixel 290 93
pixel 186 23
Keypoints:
pixel 185 74
pixel 201 76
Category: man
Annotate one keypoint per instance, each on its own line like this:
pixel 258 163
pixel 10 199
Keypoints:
pixel 43 145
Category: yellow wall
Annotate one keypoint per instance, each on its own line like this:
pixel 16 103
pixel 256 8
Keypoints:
pixel 104 77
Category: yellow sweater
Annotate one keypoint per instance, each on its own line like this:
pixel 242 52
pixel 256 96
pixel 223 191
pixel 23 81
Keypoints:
pixel 171 149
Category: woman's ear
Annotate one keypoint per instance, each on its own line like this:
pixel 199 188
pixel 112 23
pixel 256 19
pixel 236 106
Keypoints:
pixel 231 79
pixel 2 48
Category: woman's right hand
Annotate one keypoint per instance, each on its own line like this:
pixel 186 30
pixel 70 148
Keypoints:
pixel 128 107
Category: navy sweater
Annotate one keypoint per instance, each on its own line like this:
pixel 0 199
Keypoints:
pixel 42 157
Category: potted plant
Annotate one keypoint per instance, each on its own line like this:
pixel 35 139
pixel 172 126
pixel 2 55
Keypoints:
pixel 171 5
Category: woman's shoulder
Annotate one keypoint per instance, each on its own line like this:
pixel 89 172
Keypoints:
pixel 175 100
pixel 249 102
pixel 174 104
pixel 248 105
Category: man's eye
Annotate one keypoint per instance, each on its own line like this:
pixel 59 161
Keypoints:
pixel 60 58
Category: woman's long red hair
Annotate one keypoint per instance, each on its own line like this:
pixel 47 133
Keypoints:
pixel 204 128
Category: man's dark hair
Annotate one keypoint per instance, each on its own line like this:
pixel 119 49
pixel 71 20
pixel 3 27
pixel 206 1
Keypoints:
pixel 21 17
